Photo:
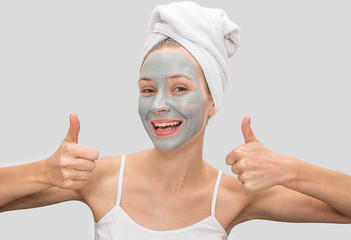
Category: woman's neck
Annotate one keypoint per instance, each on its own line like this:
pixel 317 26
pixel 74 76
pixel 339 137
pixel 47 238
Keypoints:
pixel 177 169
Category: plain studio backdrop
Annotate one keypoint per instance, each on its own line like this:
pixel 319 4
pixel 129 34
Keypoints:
pixel 291 74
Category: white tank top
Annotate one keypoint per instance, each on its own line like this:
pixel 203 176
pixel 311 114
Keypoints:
pixel 117 225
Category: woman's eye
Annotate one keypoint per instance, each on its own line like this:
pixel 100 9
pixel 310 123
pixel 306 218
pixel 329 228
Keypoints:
pixel 180 89
pixel 148 90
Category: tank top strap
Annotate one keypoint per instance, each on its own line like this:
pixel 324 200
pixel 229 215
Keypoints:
pixel 214 196
pixel 120 180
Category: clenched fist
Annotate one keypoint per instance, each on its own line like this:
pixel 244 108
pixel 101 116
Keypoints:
pixel 257 167
pixel 72 165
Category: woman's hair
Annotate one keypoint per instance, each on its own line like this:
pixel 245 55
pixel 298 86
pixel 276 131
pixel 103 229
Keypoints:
pixel 168 42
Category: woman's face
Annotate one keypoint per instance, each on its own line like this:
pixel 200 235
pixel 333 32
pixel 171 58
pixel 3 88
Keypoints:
pixel 173 103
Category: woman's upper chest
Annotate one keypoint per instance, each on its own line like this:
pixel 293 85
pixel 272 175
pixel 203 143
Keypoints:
pixel 155 209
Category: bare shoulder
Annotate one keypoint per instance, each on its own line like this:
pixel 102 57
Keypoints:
pixel 105 170
pixel 107 166
pixel 231 201
pixel 101 191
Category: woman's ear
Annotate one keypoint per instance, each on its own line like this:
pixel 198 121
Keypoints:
pixel 212 109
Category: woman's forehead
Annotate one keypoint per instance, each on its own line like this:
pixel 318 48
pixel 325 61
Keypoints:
pixel 183 52
pixel 167 64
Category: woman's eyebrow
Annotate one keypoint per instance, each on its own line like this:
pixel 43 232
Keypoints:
pixel 174 76
pixel 145 79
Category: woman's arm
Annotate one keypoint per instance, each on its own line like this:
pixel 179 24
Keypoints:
pixel 19 181
pixel 306 192
pixel 310 203
pixel 46 197
pixel 91 193
pixel 70 167
pixel 331 187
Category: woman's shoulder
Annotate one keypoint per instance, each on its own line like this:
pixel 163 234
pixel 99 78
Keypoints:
pixel 232 199
pixel 107 165
pixel 100 193
pixel 110 165
pixel 231 188
pixel 229 184
pixel 108 168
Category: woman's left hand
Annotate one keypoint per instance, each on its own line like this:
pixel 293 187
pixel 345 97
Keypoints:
pixel 257 167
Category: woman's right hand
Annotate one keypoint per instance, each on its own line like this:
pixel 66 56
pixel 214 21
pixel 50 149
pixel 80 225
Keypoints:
pixel 72 165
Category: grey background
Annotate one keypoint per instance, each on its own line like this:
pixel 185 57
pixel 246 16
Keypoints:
pixel 291 75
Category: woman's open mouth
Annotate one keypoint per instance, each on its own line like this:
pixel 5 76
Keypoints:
pixel 165 127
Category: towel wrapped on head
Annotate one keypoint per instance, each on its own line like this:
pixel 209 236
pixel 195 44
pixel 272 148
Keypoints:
pixel 206 33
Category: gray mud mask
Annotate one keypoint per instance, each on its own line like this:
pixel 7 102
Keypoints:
pixel 168 110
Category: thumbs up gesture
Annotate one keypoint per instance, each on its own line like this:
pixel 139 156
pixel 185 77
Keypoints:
pixel 257 167
pixel 72 165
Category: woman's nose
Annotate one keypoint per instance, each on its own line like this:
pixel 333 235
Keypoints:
pixel 160 105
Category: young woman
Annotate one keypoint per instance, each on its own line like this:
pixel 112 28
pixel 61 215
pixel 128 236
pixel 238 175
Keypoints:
pixel 170 192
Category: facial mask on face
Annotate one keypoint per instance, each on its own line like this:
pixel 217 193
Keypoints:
pixel 170 120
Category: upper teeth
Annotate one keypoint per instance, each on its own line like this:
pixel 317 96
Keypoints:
pixel 166 124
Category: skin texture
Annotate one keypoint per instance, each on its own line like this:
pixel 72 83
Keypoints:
pixel 162 77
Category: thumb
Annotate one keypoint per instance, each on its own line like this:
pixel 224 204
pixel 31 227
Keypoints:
pixel 72 135
pixel 248 134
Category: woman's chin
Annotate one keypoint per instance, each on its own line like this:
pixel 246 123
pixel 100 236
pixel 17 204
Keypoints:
pixel 167 148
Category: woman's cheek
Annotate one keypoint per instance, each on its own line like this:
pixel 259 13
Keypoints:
pixel 191 106
pixel 144 106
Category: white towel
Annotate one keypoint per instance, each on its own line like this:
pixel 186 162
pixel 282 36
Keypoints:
pixel 206 33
